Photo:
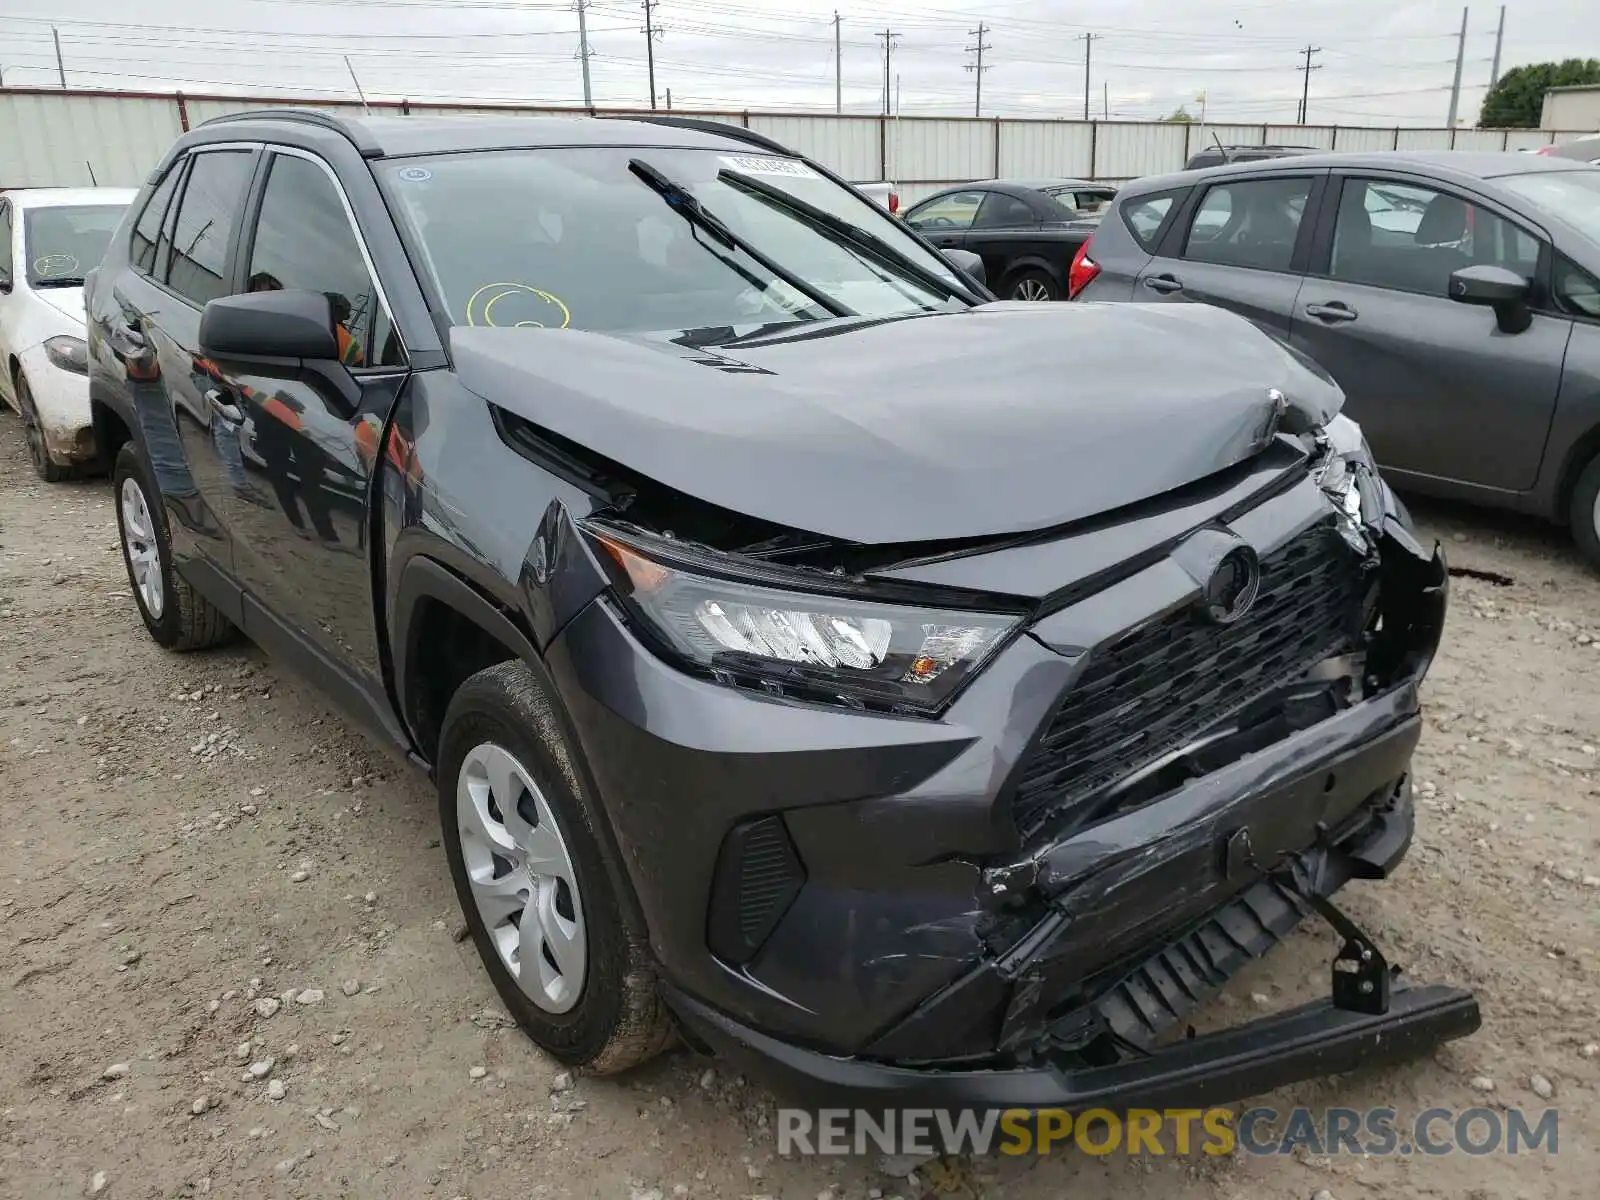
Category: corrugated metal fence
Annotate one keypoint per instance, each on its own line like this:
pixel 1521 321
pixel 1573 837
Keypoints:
pixel 58 138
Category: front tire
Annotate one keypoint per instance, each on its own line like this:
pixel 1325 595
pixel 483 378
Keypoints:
pixel 38 453
pixel 1584 512
pixel 177 616
pixel 530 870
pixel 1034 285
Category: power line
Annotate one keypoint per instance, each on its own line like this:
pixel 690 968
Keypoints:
pixel 978 68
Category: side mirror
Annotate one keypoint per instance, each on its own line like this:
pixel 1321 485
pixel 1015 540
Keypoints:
pixel 269 329
pixel 967 263
pixel 283 335
pixel 1494 287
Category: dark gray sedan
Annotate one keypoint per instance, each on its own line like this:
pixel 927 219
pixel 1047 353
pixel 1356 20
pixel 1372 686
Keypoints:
pixel 1454 296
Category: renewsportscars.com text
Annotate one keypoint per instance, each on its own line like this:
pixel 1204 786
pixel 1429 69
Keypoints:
pixel 1178 1131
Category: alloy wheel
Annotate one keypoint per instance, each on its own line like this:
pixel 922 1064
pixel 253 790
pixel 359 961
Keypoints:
pixel 522 877
pixel 1030 289
pixel 139 543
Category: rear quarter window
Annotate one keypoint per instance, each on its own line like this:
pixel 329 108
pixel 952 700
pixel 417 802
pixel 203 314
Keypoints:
pixel 1146 216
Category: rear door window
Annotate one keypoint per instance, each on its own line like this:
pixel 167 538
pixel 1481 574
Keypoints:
pixel 211 203
pixel 1146 215
pixel 147 230
pixel 1000 211
pixel 1249 223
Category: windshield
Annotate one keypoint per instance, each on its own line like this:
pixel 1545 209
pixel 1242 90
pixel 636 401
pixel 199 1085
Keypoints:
pixel 63 243
pixel 1572 196
pixel 573 238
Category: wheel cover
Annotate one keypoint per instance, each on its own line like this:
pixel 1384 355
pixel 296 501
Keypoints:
pixel 521 876
pixel 1030 289
pixel 139 545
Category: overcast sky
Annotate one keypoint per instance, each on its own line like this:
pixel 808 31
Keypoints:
pixel 1379 64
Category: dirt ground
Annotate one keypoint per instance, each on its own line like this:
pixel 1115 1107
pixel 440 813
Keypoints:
pixel 183 836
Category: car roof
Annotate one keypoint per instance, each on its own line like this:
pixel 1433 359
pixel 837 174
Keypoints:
pixel 62 197
pixel 1447 164
pixel 402 136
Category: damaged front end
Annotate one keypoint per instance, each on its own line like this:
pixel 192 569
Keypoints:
pixel 1195 724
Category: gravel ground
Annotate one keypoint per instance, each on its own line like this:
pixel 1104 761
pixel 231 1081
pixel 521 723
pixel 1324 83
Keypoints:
pixel 232 962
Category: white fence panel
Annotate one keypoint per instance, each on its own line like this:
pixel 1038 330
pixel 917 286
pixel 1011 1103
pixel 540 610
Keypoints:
pixel 1320 136
pixel 932 150
pixel 73 141
pixel 1126 151
pixel 1423 139
pixel 1202 137
pixel 848 145
pixel 1363 140
pixel 1045 149
pixel 1480 139
pixel 1518 139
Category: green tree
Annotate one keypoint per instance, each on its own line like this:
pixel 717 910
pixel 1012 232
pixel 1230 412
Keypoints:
pixel 1517 101
pixel 1179 116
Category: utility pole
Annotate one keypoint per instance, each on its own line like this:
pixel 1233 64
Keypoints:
pixel 669 99
pixel 838 66
pixel 650 35
pixel 1105 101
pixel 61 68
pixel 1455 88
pixel 978 69
pixel 1088 40
pixel 888 36
pixel 1305 84
pixel 583 50
pixel 1499 37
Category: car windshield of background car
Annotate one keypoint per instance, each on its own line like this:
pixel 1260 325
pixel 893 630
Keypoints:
pixel 1572 196
pixel 571 238
pixel 62 243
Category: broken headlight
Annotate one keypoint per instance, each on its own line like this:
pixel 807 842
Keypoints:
pixel 859 652
pixel 1349 478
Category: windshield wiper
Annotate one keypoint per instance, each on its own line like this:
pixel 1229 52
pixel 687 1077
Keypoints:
pixel 59 281
pixel 826 222
pixel 686 205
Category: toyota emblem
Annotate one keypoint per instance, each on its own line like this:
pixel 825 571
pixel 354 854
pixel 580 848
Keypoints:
pixel 1233 585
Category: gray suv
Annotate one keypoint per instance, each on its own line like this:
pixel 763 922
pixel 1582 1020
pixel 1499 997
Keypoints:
pixel 1455 297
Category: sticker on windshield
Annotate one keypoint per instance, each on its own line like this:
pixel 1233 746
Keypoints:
pixel 415 174
pixel 766 164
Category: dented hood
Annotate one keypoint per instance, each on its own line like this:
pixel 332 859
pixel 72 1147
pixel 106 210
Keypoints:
pixel 996 420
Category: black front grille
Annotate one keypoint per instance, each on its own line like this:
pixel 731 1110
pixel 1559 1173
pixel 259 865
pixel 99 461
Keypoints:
pixel 1158 686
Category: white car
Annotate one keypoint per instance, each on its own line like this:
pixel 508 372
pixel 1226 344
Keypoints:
pixel 49 239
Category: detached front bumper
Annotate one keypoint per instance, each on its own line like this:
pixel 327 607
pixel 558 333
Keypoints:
pixel 1099 1043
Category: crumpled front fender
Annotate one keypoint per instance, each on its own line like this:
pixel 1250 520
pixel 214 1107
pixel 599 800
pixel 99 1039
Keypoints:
pixel 62 402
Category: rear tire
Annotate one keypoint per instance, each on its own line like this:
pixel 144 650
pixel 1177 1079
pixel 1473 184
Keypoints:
pixel 177 616
pixel 1583 513
pixel 38 453
pixel 1032 284
pixel 541 899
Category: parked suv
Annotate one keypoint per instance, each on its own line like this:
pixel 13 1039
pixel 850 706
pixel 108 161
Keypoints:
pixel 914 694
pixel 1454 297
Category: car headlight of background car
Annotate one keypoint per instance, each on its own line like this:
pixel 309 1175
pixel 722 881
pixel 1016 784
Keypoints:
pixel 68 352
pixel 862 653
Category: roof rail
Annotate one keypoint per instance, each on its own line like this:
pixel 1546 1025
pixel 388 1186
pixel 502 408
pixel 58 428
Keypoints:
pixel 351 132
pixel 721 129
